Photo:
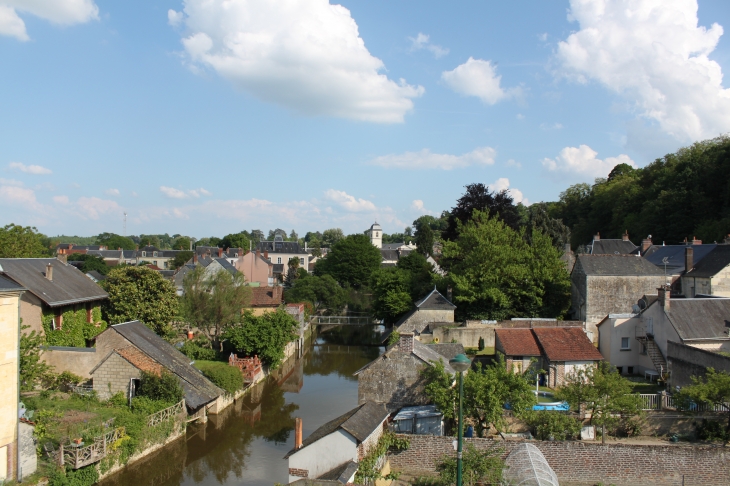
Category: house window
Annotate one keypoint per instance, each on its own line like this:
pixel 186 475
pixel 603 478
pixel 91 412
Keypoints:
pixel 620 370
pixel 154 263
pixel 235 255
pixel 57 322
pixel 625 344
pixel 278 260
pixel 301 261
pixel 643 349
pixel 144 253
pixel 630 370
pixel 167 264
pixel 154 253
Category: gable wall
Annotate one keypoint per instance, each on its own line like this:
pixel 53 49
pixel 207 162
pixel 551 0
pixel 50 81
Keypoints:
pixel 421 318
pixel 323 455
pixel 113 376
pixel 615 294
pixel 393 380
pixel 31 311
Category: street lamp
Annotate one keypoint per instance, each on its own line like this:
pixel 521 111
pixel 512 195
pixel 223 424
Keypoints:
pixel 460 364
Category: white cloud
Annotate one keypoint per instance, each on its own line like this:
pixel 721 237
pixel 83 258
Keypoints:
pixel 654 53
pixel 421 41
pixel 477 77
pixel 306 55
pixel 95 208
pixel 112 192
pixel 60 199
pixel 582 161
pixel 551 126
pixel 425 159
pixel 513 163
pixel 543 37
pixel 350 203
pixel 18 196
pixel 10 182
pixel 134 194
pixel 418 206
pixel 29 169
pixel 63 12
pixel 520 116
pixel 174 18
pixel 502 184
pixel 173 193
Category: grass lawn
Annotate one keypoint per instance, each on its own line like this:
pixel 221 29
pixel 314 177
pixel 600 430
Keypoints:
pixel 645 387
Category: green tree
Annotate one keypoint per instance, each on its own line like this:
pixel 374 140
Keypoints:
pixel 391 297
pixel 421 272
pixel 497 275
pixel 32 369
pixel 266 335
pixel 213 302
pixel 236 240
pixel 182 243
pixel 478 197
pixel 539 220
pixel 324 293
pixel 22 242
pixel 331 236
pixel 138 293
pixel 181 259
pixel 713 389
pixel 114 241
pixel 478 466
pixel 604 392
pixel 91 262
pixel 424 237
pixel 165 387
pixel 292 273
pixel 350 261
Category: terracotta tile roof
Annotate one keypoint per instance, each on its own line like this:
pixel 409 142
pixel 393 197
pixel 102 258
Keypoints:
pixel 266 296
pixel 518 342
pixel 140 360
pixel 566 344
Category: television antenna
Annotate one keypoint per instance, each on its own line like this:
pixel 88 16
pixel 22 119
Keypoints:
pixel 665 261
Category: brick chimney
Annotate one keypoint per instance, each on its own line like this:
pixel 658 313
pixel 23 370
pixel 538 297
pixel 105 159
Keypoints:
pixel 49 272
pixel 258 253
pixel 220 252
pixel 625 236
pixel 266 254
pixel 195 258
pixel 405 344
pixel 695 241
pixel 597 237
pixel 62 258
pixel 664 296
pixel 297 433
pixel 688 259
pixel 646 243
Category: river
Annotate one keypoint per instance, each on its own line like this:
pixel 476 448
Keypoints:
pixel 247 442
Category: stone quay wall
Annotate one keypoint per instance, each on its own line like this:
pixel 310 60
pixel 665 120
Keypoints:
pixel 577 462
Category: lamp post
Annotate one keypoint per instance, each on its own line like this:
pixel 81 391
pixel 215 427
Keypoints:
pixel 460 364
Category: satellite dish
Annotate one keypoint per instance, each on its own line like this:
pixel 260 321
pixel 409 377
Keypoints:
pixel 642 304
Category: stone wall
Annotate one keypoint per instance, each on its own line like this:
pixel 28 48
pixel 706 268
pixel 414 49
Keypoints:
pixel 471 331
pixel 394 381
pixel 419 319
pixel 113 376
pixel 685 361
pixel 578 462
pixel 79 361
pixel 595 297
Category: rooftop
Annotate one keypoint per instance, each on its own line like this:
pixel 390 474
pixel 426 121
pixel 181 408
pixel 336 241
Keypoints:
pixel 712 264
pixel 612 247
pixel 616 265
pixel 566 344
pixel 700 318
pixel 517 342
pixel 434 301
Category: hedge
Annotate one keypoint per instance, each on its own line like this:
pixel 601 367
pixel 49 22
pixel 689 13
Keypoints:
pixel 227 377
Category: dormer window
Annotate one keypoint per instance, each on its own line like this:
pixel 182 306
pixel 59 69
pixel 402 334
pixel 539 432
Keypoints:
pixel 154 253
pixel 235 255
pixel 144 253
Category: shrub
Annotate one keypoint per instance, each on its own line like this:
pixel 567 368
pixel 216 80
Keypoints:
pixel 86 476
pixel 165 387
pixel 224 376
pixel 480 345
pixel 197 349
pixel 147 406
pixel 393 338
pixel 64 380
pixel 711 430
pixel 550 425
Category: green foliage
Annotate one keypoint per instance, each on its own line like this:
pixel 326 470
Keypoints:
pixel 181 243
pixel 224 376
pixel 478 466
pixel 424 237
pixel 165 387
pixel 604 392
pixel 330 237
pixel 393 338
pixel 199 348
pixel 323 292
pixel 85 476
pixel 32 369
pixel 113 241
pixel 478 197
pixel 236 240
pixel 366 471
pixel 712 430
pixel 22 242
pixel 712 389
pixel 497 275
pixel 75 331
pixel 391 298
pixel 138 293
pixel 181 259
pixel 351 261
pixel 480 344
pixel 538 219
pixel 145 405
pixel 213 302
pixel 266 335
pixel 65 379
pixel 551 425
pixel 91 262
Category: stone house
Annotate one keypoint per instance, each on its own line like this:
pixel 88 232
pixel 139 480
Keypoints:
pixel 56 291
pixel 211 265
pixel 432 308
pixel 279 252
pixel 608 284
pixel 676 260
pixel 560 351
pixel 711 276
pixel 334 449
pixel 394 378
pixel 638 343
pixel 125 350
pixel 256 268
pixel 624 246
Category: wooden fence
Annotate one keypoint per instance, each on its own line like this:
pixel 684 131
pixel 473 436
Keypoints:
pixel 166 414
pixel 80 456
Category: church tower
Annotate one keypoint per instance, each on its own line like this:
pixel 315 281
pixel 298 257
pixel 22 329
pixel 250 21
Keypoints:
pixel 376 235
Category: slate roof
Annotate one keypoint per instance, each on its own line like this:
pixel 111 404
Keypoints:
pixel 616 265
pixel 392 246
pixel 266 296
pixel 612 247
pixel 396 255
pixel 198 389
pixel 712 264
pixel 700 318
pixel 675 256
pixel 359 422
pixel 341 473
pixel 434 301
pixel 425 352
pixel 448 350
pixel 69 285
pixel 96 275
pixel 280 247
pixel 566 344
pixel 7 284
pixel 278 268
pixel 518 342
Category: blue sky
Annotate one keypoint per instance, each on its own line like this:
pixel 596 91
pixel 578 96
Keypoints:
pixel 206 117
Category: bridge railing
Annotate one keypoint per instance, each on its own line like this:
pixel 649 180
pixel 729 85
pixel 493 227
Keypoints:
pixel 344 320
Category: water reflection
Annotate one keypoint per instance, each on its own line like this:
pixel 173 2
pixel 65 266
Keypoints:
pixel 247 442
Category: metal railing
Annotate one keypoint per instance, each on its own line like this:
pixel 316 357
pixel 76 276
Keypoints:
pixel 83 390
pixel 344 320
pixel 668 402
pixel 166 414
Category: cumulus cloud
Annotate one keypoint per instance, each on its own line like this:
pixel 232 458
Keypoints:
pixel 502 184
pixel 112 192
pixel 425 159
pixel 95 208
pixel 60 199
pixel 306 55
pixel 63 12
pixel 174 18
pixel 29 169
pixel 348 202
pixel 10 182
pixel 477 77
pixel 582 161
pixel 654 53
pixel 18 196
pixel 173 193
pixel 421 41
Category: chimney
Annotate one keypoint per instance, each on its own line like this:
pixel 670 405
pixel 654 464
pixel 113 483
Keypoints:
pixel 258 253
pixel 49 272
pixel 119 248
pixel 688 259
pixel 62 258
pixel 695 241
pixel 195 258
pixel 646 243
pixel 297 433
pixel 597 237
pixel 220 252
pixel 136 247
pixel 566 249
pixel 625 236
pixel 664 296
pixel 266 254
pixel 405 344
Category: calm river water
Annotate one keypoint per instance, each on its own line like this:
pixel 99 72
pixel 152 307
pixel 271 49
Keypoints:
pixel 247 442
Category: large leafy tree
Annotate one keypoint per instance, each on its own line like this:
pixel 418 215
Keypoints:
pixel 538 219
pixel 266 335
pixel 213 302
pixel 496 274
pixel 424 237
pixel 22 242
pixel 421 274
pixel 331 236
pixel 138 293
pixel 712 389
pixel 478 197
pixel 236 240
pixel 114 241
pixel 351 261
pixel 181 258
pixel 324 293
pixel 91 262
pixel 391 297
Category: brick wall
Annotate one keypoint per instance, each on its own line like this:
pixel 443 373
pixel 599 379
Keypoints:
pixel 370 442
pixel 113 376
pixel 591 463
